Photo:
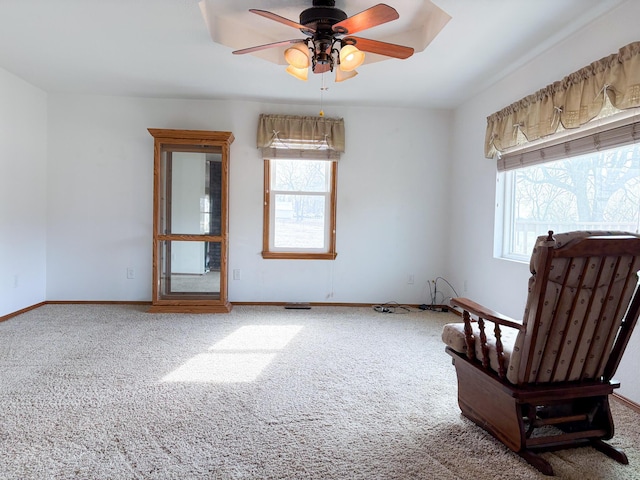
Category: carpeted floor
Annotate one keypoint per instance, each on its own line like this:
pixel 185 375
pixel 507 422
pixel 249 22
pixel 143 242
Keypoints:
pixel 112 392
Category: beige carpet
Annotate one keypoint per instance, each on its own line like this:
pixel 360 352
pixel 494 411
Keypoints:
pixel 112 392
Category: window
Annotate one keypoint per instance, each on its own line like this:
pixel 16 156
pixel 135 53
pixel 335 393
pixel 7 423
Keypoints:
pixel 594 191
pixel 299 209
pixel 301 154
pixel 571 152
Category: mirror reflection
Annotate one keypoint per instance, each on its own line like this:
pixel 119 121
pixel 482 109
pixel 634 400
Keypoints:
pixel 190 268
pixel 192 200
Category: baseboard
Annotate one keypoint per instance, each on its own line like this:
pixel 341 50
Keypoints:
pixel 96 302
pixel 20 312
pixel 437 308
pixel 627 403
pixel 71 302
pixel 312 304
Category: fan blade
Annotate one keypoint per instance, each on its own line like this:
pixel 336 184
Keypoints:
pixel 381 48
pixel 371 17
pixel 278 18
pixel 265 46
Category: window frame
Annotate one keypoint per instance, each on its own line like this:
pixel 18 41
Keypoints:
pixel 330 212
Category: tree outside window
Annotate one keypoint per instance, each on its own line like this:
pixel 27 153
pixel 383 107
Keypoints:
pixel 597 191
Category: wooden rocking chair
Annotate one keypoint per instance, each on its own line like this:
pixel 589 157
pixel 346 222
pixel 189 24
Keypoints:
pixel 543 384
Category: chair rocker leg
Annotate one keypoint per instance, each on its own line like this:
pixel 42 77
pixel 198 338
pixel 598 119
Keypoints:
pixel 618 455
pixel 537 462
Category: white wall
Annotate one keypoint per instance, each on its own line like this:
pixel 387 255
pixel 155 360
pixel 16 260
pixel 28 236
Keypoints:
pixel 501 284
pixel 391 214
pixel 23 193
pixel 187 190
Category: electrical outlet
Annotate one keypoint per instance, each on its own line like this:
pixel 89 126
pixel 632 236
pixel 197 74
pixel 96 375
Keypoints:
pixel 131 273
pixel 237 274
pixel 411 279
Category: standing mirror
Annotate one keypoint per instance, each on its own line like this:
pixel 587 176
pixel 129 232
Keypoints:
pixel 190 221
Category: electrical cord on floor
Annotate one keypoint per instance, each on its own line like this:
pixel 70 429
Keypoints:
pixel 391 307
pixel 433 294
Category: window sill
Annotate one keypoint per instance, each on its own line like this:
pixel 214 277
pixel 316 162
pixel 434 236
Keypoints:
pixel 514 259
pixel 298 256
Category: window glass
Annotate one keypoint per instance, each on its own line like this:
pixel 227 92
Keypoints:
pixel 299 222
pixel 300 175
pixel 597 191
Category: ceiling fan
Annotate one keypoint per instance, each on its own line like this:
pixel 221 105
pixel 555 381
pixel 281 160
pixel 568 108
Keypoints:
pixel 329 41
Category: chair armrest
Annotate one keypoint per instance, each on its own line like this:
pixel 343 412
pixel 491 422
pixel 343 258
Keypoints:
pixel 485 313
pixel 472 308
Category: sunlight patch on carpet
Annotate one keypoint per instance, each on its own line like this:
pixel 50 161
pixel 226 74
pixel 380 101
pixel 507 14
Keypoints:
pixel 258 337
pixel 239 357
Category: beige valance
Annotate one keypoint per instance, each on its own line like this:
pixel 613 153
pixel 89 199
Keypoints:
pixel 305 137
pixel 570 102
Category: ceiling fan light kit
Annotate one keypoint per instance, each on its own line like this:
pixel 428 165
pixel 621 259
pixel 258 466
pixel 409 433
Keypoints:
pixel 350 58
pixel 329 41
pixel 298 56
pixel 341 75
pixel 299 73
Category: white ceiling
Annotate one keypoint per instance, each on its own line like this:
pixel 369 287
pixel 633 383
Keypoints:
pixel 162 48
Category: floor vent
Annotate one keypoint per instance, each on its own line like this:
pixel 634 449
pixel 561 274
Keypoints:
pixel 297 306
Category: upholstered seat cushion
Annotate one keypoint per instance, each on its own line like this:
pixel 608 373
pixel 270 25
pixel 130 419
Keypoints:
pixel 453 336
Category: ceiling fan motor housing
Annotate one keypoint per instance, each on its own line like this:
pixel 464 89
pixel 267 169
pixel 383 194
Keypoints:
pixel 322 16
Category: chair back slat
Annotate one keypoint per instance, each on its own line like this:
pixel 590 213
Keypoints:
pixel 580 309
pixel 549 354
pixel 581 288
pixel 602 319
pixel 613 319
pixel 620 296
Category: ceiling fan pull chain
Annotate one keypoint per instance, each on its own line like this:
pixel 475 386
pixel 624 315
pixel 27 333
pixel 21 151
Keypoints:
pixel 322 90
